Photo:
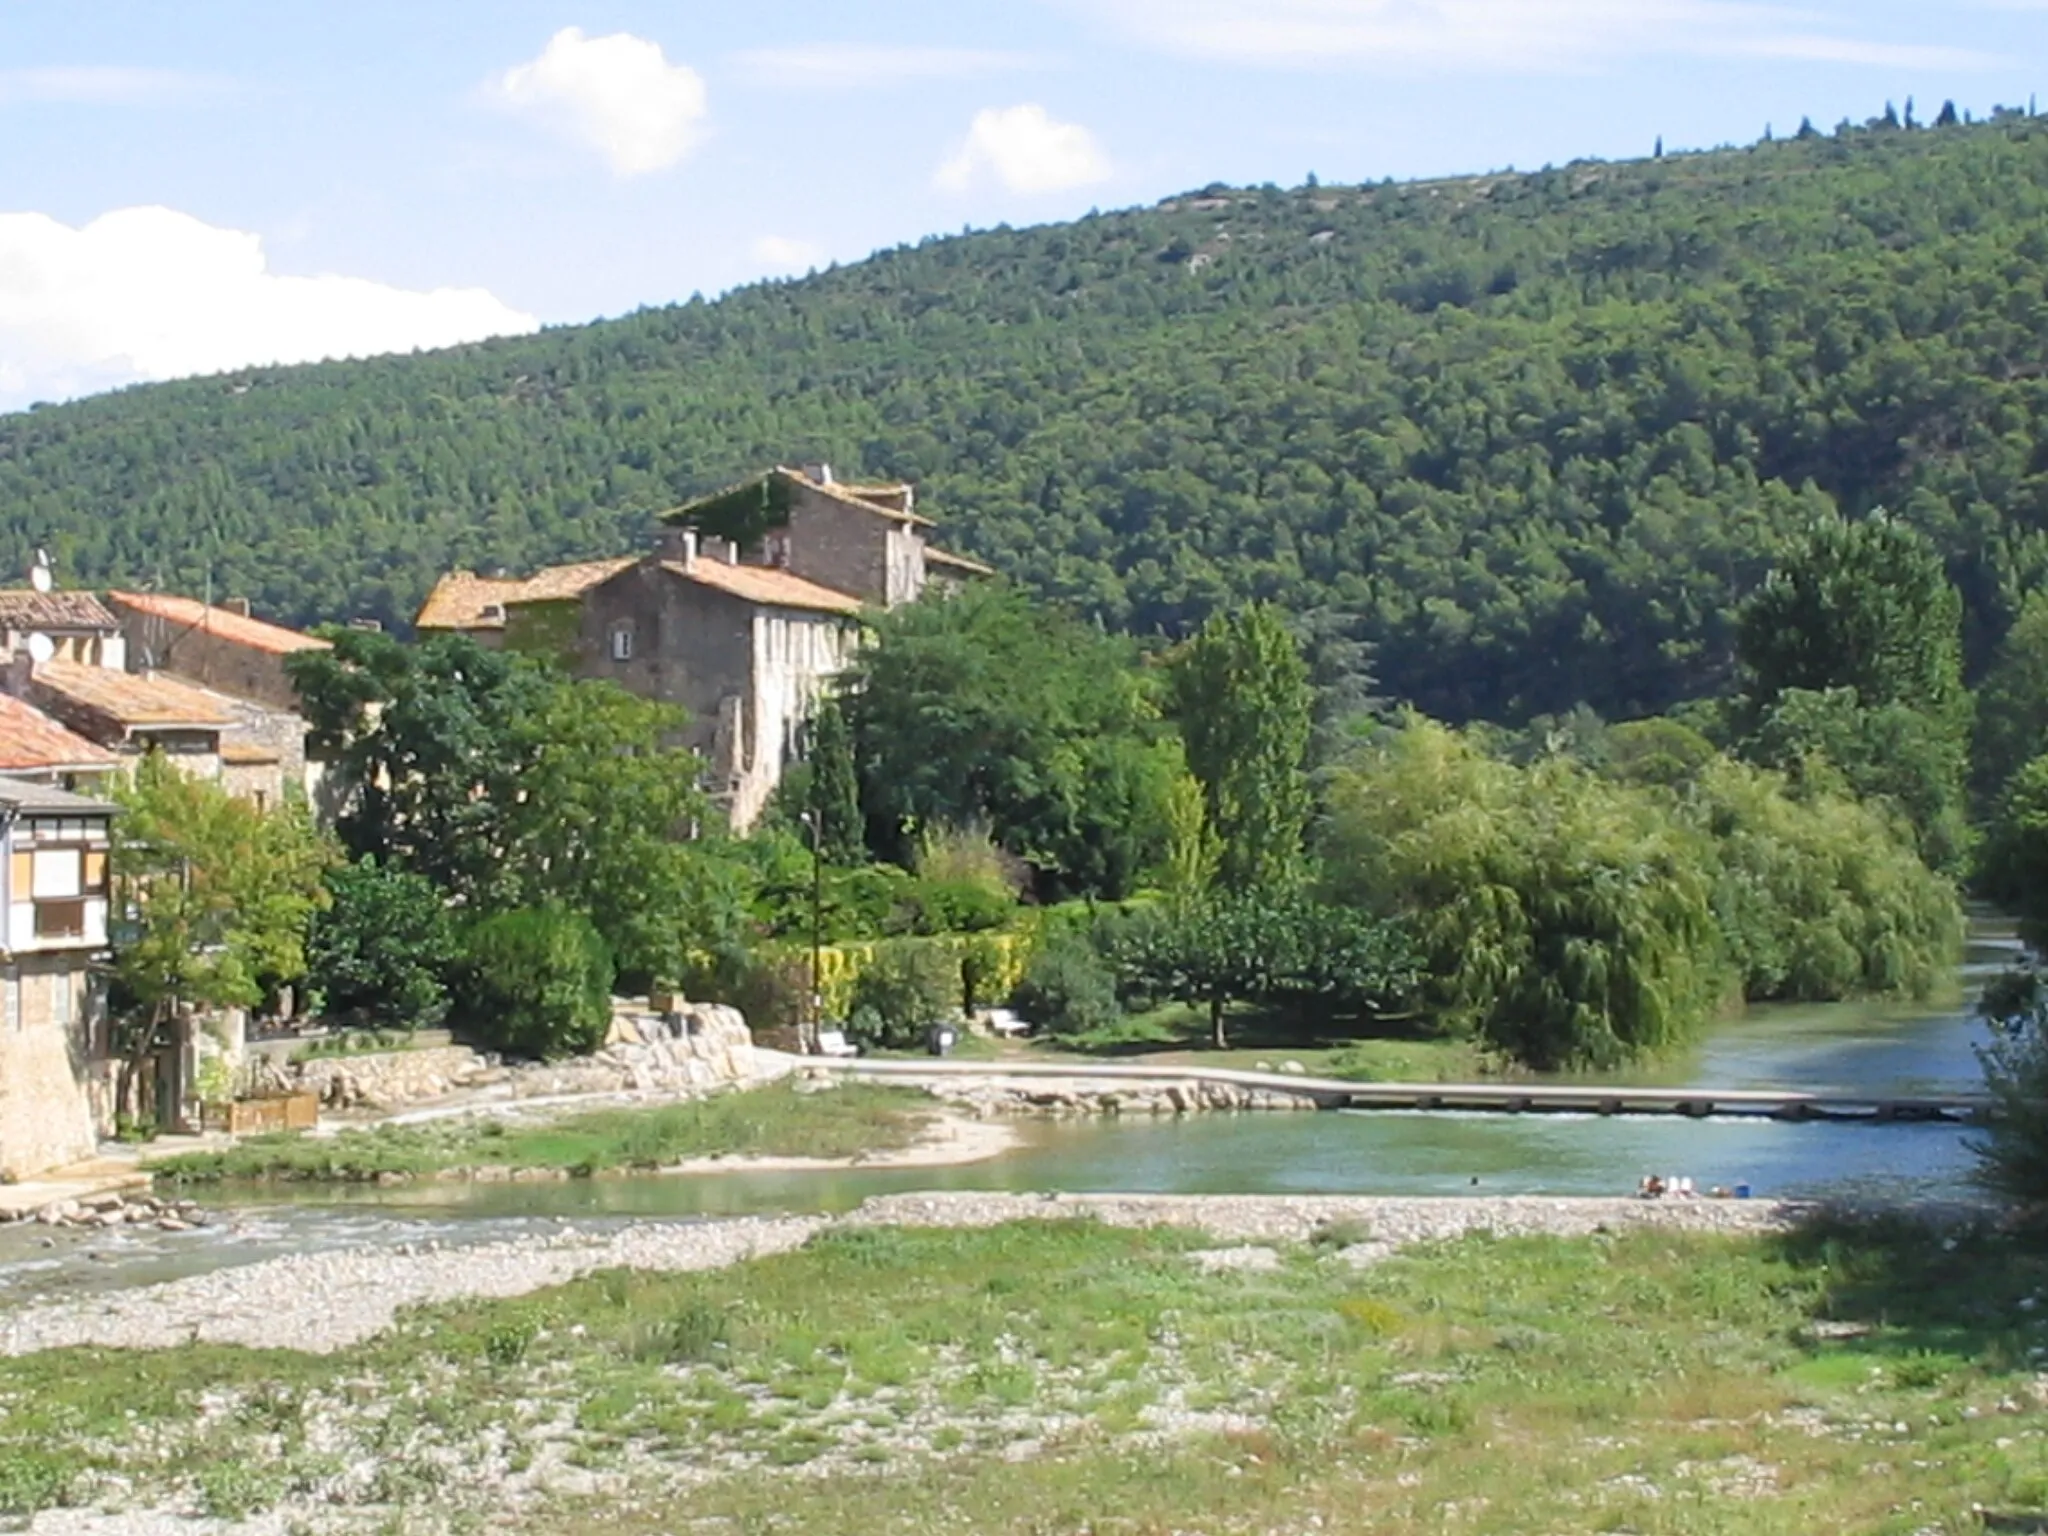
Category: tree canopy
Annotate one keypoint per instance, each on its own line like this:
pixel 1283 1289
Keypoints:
pixel 1539 432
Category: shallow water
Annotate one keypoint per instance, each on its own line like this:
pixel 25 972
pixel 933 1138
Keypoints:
pixel 1849 1047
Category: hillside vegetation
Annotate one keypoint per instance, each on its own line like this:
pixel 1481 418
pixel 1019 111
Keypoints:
pixel 1531 434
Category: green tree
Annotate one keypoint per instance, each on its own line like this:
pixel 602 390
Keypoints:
pixel 2012 702
pixel 985 710
pixel 1246 711
pixel 535 982
pixel 834 799
pixel 2014 864
pixel 221 893
pixel 1566 919
pixel 1276 949
pixel 2012 1152
pixel 380 953
pixel 1852 651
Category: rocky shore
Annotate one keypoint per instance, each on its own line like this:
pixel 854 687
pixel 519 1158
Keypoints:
pixel 326 1301
pixel 115 1208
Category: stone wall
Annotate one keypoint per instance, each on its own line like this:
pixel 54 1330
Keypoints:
pixel 698 1047
pixel 45 1121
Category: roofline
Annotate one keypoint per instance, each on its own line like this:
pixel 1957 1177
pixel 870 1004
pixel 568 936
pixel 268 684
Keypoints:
pixel 833 488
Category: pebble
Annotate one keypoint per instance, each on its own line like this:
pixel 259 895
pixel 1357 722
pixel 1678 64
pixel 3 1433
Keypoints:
pixel 321 1302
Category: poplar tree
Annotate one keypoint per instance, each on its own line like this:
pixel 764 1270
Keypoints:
pixel 1246 709
pixel 835 788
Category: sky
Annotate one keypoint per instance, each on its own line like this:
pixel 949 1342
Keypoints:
pixel 215 184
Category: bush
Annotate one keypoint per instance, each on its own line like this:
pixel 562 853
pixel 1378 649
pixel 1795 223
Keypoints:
pixel 906 988
pixel 959 906
pixel 536 983
pixel 379 956
pixel 2012 1156
pixel 1068 989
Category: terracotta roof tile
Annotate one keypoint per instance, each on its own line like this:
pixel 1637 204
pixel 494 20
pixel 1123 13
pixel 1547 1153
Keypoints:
pixel 31 740
pixel 23 608
pixel 461 599
pixel 764 584
pixel 190 614
pixel 129 698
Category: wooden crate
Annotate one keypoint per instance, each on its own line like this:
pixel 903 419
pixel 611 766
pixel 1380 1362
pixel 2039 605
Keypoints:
pixel 268 1112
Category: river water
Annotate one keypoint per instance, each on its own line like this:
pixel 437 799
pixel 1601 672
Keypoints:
pixel 1856 1048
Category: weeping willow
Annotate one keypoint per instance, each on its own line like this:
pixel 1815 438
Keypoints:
pixel 1573 919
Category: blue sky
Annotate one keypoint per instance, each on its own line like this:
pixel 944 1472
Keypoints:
pixel 217 183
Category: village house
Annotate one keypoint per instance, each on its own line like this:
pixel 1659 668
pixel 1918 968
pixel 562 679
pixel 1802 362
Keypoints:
pixel 209 689
pixel 37 750
pixel 53 893
pixel 741 615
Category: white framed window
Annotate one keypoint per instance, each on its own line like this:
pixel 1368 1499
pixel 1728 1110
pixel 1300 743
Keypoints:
pixel 622 642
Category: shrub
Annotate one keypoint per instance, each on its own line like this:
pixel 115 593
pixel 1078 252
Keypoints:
pixel 959 906
pixel 536 982
pixel 380 954
pixel 2012 1155
pixel 904 989
pixel 1068 989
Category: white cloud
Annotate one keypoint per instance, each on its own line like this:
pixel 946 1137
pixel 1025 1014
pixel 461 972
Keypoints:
pixel 837 65
pixel 617 94
pixel 1026 150
pixel 1505 35
pixel 103 85
pixel 780 253
pixel 151 293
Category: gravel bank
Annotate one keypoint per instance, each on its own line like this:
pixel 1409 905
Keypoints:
pixel 326 1301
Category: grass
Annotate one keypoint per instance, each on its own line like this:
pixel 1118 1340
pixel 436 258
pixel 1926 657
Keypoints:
pixel 775 1121
pixel 1059 1376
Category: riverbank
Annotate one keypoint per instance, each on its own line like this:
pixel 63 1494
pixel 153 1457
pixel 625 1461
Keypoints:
pixel 1019 1363
pixel 785 1126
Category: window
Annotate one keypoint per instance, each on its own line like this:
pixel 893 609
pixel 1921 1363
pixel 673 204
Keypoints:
pixel 95 872
pixel 622 642
pixel 60 919
pixel 59 872
pixel 62 1003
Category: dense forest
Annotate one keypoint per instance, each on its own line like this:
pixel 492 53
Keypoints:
pixel 1530 435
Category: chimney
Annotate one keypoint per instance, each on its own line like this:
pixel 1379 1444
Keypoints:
pixel 238 606
pixel 19 672
pixel 821 473
pixel 732 552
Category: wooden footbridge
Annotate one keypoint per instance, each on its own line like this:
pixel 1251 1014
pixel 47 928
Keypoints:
pixel 1088 1079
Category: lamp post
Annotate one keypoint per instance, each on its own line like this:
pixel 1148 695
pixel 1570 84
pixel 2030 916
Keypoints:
pixel 816 1022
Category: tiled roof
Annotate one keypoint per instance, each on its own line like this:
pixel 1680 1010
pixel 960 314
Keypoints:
pixel 41 797
pixel 24 608
pixel 459 599
pixel 764 584
pixel 130 698
pixel 955 562
pixel 30 741
pixel 189 614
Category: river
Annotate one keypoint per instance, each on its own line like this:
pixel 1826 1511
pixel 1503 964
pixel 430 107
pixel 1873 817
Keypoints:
pixel 1851 1047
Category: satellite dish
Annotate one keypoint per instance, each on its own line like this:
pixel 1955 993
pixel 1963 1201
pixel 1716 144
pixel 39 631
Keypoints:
pixel 40 647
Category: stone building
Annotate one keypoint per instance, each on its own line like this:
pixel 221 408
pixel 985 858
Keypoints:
pixel 78 626
pixel 742 614
pixel 216 646
pixel 53 894
pixel 37 750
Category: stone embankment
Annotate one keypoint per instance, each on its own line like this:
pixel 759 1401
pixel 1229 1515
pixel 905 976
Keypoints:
pixel 696 1047
pixel 326 1301
pixel 1063 1089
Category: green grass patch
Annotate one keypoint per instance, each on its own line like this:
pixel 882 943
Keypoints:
pixel 1644 1381
pixel 775 1121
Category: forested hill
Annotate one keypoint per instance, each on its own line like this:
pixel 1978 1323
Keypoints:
pixel 1536 433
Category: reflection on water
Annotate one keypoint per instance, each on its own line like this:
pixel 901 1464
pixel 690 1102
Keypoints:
pixel 1851 1047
